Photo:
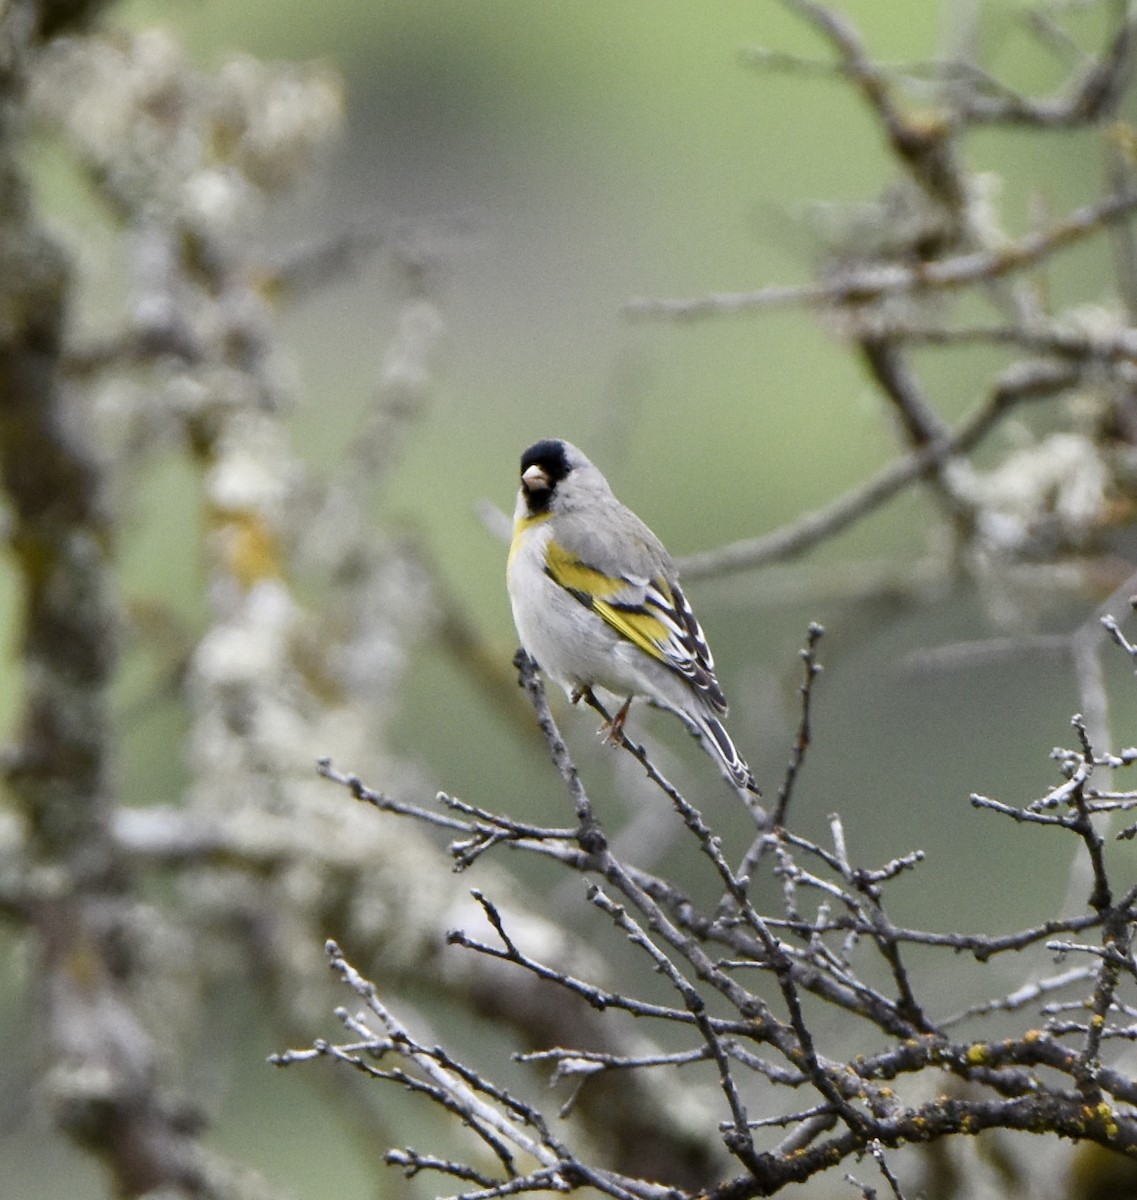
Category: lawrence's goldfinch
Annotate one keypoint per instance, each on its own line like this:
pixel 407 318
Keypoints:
pixel 596 601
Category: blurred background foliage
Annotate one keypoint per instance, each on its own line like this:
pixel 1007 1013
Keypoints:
pixel 544 164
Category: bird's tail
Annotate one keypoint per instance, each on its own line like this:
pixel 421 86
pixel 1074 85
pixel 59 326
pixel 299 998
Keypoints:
pixel 716 741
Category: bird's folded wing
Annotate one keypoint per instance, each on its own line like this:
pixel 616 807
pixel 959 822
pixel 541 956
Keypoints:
pixel 651 613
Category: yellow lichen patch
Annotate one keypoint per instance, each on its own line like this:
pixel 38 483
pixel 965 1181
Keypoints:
pixel 1123 137
pixel 84 965
pixel 978 1054
pixel 249 549
pixel 1101 1114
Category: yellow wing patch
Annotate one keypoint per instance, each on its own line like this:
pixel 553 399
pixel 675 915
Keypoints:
pixel 570 572
pixel 599 592
pixel 640 627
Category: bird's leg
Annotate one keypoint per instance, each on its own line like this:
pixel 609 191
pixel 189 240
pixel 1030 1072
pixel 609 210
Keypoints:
pixel 615 729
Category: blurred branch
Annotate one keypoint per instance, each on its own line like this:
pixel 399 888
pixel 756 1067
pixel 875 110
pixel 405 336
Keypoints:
pixel 860 285
pixel 101 1076
pixel 890 281
pixel 1026 381
pixel 1091 95
pixel 922 145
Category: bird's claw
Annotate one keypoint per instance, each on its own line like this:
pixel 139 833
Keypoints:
pixel 613 730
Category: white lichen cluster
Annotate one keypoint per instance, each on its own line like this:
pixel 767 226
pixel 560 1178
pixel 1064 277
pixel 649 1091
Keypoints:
pixel 197 146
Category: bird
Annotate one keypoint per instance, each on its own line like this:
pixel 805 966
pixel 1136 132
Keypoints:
pixel 597 603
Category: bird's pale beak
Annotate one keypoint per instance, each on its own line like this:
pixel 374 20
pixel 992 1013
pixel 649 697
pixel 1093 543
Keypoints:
pixel 534 479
